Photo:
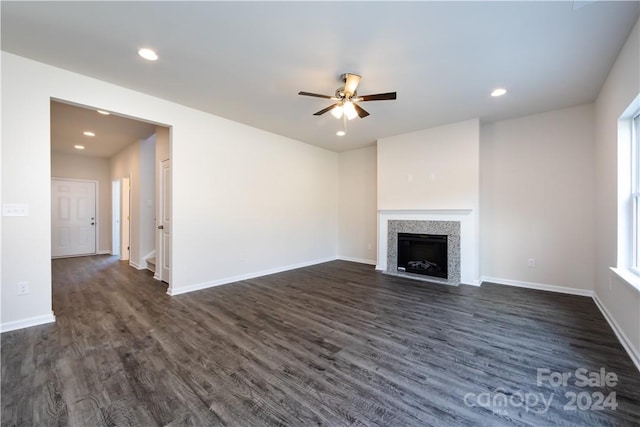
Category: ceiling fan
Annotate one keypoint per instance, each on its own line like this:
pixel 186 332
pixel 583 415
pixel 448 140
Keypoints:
pixel 347 99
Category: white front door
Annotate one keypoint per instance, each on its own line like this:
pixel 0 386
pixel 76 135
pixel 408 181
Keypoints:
pixel 165 221
pixel 73 218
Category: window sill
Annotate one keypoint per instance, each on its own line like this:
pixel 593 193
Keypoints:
pixel 628 276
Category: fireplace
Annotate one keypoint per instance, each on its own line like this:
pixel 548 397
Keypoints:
pixel 423 254
pixel 447 224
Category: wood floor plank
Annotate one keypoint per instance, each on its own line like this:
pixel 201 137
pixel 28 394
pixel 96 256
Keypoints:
pixel 336 344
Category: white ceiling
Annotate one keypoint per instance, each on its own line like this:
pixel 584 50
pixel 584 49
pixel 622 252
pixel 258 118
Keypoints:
pixel 246 61
pixel 112 132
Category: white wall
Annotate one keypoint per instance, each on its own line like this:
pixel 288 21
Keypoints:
pixel 163 137
pixel 256 202
pixel 436 168
pixel 245 201
pixel 126 164
pixel 137 161
pixel 147 199
pixel 621 301
pixel 433 175
pixel 538 199
pixel 357 234
pixel 26 167
pixel 65 165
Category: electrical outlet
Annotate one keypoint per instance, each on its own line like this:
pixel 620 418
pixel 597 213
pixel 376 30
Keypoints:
pixel 531 262
pixel 23 288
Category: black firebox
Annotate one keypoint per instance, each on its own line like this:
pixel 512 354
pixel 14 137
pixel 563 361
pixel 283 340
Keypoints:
pixel 423 254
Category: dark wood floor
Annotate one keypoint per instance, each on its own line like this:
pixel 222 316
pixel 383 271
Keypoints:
pixel 334 344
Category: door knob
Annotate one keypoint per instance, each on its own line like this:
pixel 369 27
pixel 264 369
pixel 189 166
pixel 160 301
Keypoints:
pixel 161 227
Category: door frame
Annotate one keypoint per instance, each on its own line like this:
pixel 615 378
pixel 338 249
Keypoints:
pixel 96 184
pixel 125 218
pixel 116 185
pixel 160 199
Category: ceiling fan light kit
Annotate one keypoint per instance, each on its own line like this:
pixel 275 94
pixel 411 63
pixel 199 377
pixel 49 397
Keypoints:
pixel 347 99
pixel 337 111
pixel 349 110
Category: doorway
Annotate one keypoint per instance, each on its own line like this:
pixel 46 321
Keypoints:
pixel 115 217
pixel 123 156
pixel 125 219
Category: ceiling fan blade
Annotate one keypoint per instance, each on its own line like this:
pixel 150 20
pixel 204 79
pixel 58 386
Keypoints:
pixel 317 95
pixel 351 83
pixel 361 112
pixel 324 110
pixel 376 97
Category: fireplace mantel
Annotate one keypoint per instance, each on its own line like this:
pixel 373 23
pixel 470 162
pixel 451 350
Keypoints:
pixel 425 212
pixel 469 246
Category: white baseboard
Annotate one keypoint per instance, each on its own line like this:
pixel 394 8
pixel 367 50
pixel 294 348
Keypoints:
pixel 538 286
pixel 477 282
pixel 199 286
pixel 26 323
pixel 136 266
pixel 622 337
pixel 624 340
pixel 358 260
pixel 103 252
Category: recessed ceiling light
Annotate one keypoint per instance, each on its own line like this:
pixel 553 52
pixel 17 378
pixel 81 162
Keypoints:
pixel 148 54
pixel 104 113
pixel 498 92
pixel 79 147
pixel 88 133
pixel 341 133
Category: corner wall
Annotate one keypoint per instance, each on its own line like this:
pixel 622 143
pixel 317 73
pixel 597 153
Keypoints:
pixel 147 199
pixel 617 298
pixel 357 228
pixel 134 162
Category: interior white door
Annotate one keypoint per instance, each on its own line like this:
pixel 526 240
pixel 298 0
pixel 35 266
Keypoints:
pixel 165 220
pixel 73 218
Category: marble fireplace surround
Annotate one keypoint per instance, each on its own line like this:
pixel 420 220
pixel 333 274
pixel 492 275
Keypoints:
pixel 460 225
pixel 451 229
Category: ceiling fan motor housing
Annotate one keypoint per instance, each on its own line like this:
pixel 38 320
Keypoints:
pixel 342 95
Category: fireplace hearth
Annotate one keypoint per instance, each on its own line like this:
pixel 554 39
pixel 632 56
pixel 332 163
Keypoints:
pixel 424 254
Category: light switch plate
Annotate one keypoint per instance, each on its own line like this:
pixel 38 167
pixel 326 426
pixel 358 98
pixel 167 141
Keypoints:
pixel 15 209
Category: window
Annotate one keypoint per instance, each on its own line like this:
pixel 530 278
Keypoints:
pixel 635 192
pixel 628 247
